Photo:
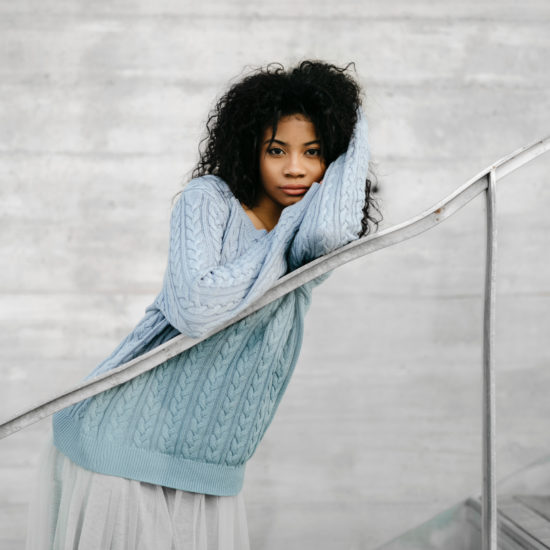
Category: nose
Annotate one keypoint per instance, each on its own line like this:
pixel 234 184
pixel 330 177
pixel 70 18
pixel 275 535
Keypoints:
pixel 294 167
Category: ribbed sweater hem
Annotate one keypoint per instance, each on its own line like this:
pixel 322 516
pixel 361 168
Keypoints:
pixel 131 462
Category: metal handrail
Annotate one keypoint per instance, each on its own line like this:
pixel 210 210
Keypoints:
pixel 488 460
pixel 484 181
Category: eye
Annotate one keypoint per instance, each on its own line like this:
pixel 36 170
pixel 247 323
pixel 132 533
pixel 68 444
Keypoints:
pixel 313 152
pixel 275 151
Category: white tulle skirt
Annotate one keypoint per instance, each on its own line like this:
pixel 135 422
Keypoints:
pixel 74 508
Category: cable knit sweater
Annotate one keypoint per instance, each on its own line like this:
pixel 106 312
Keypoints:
pixel 193 422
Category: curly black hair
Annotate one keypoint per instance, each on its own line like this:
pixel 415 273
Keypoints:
pixel 322 92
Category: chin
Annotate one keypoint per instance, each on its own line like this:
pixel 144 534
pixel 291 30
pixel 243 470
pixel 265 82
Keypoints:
pixel 291 200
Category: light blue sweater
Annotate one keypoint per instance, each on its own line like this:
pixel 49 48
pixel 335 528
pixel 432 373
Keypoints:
pixel 194 421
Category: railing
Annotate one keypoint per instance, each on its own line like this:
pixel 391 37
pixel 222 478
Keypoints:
pixel 484 181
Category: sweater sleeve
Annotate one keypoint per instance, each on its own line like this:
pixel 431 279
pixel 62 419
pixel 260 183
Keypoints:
pixel 200 292
pixel 333 219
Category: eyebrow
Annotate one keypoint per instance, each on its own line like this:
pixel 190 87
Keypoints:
pixel 283 143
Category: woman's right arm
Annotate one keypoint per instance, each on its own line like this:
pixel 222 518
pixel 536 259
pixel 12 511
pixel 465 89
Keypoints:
pixel 334 217
pixel 199 292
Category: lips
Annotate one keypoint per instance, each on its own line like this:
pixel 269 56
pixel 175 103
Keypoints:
pixel 294 189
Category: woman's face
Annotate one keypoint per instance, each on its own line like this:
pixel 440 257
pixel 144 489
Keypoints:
pixel 291 163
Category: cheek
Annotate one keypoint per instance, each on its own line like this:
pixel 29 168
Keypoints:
pixel 263 170
pixel 267 171
pixel 322 170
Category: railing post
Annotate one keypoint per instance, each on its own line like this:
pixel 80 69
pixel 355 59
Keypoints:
pixel 489 498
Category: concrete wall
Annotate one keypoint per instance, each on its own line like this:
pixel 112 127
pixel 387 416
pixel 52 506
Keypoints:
pixel 102 105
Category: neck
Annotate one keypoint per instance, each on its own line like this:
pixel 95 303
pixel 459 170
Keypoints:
pixel 267 211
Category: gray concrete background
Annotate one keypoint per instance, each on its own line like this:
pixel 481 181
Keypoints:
pixel 102 105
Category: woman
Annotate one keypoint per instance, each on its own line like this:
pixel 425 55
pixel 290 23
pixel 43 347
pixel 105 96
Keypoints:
pixel 159 461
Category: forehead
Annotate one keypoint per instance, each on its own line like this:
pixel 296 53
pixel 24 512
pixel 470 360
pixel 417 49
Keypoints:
pixel 293 128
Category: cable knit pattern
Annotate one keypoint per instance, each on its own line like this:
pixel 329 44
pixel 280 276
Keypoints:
pixel 194 421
